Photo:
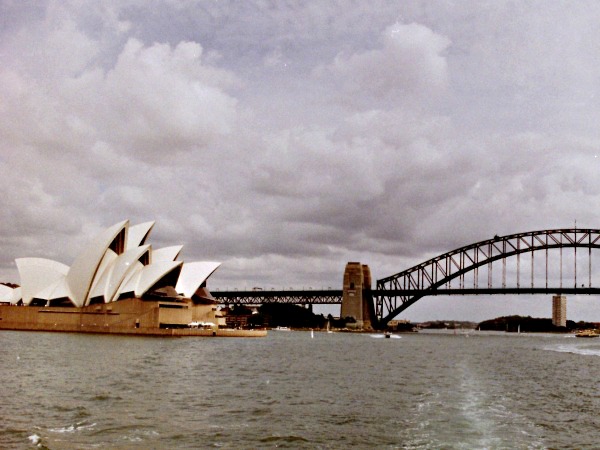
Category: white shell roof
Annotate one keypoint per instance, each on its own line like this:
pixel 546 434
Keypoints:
pixel 151 274
pixel 121 267
pixel 102 274
pixel 10 295
pixel 137 234
pixel 166 253
pixel 98 271
pixel 58 289
pixel 193 275
pixel 84 269
pixel 36 274
pixel 131 279
pixel 6 294
pixel 17 295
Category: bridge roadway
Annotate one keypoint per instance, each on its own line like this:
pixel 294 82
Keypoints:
pixel 333 296
pixel 314 297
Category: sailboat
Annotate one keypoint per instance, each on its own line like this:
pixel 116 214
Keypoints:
pixel 328 327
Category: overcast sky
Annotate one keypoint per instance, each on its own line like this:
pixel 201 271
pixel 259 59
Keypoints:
pixel 287 138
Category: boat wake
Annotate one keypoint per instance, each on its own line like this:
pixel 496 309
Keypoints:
pixel 79 426
pixel 576 350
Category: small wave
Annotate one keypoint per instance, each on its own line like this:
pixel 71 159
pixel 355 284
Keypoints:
pixel 79 413
pixel 342 420
pixel 105 397
pixel 261 411
pixel 144 435
pixel 286 439
pixel 73 428
pixel 585 351
pixel 130 433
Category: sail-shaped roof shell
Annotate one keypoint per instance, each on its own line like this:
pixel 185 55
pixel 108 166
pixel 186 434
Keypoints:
pixel 128 264
pixel 153 273
pixel 102 275
pixel 138 234
pixel 131 279
pixel 36 274
pixel 84 269
pixel 193 274
pixel 119 269
pixel 116 264
pixel 17 295
pixel 10 295
pixel 7 294
pixel 166 253
pixel 58 289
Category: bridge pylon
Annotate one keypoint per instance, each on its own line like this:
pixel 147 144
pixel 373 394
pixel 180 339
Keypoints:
pixel 357 300
pixel 559 310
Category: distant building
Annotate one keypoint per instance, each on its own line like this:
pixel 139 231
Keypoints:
pixel 559 310
pixel 237 321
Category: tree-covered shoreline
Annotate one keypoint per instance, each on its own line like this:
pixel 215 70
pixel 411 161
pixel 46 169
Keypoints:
pixel 273 315
pixel 528 324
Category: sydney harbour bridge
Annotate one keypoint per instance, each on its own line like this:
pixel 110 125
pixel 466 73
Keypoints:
pixel 557 262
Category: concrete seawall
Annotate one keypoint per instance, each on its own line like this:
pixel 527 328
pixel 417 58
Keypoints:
pixel 166 332
pixel 125 317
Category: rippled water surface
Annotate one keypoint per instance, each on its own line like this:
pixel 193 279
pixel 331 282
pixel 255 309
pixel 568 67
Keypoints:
pixel 288 390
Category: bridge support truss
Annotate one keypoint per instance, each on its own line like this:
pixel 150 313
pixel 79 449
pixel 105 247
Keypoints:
pixel 459 271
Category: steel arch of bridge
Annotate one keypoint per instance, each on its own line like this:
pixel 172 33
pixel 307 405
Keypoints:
pixel 434 277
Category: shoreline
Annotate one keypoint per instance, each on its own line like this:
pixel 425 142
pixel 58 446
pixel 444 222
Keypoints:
pixel 123 331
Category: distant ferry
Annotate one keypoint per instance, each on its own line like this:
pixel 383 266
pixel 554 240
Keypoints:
pixel 587 334
pixel 282 328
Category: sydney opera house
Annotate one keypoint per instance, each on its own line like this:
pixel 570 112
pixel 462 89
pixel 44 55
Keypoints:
pixel 118 284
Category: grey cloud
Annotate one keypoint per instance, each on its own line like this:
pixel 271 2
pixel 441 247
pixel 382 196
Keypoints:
pixel 408 66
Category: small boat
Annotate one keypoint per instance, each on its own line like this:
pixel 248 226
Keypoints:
pixel 587 334
pixel 386 335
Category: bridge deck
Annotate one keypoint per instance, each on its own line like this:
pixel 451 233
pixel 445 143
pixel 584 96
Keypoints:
pixel 324 297
pixel 333 296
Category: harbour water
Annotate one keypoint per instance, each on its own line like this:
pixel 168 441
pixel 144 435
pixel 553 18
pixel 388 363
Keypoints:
pixel 291 390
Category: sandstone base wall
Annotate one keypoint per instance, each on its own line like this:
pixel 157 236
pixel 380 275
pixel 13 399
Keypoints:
pixel 130 316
